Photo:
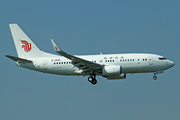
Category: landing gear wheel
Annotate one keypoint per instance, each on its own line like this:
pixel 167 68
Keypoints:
pixel 90 79
pixel 94 81
pixel 154 77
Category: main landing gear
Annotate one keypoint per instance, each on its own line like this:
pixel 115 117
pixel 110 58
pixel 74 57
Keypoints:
pixel 92 79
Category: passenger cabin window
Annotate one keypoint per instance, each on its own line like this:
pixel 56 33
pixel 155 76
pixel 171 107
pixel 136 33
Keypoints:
pixel 128 60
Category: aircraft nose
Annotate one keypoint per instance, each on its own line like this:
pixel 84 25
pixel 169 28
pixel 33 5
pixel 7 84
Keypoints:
pixel 171 63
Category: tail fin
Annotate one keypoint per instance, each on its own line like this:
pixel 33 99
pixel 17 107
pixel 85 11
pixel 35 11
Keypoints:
pixel 24 45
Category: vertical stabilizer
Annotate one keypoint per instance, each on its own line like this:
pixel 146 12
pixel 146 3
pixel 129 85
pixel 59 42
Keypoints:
pixel 24 45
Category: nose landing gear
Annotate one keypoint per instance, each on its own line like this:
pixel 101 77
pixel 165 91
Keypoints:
pixel 158 72
pixel 92 79
pixel 155 77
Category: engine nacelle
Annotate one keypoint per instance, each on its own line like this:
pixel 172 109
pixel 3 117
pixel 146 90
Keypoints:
pixel 111 70
pixel 112 77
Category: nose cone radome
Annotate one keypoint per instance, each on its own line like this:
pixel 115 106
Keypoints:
pixel 171 63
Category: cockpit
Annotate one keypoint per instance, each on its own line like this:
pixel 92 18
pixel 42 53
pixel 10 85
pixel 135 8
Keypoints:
pixel 161 58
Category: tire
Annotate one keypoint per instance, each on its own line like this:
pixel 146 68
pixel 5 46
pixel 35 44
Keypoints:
pixel 155 78
pixel 94 81
pixel 90 79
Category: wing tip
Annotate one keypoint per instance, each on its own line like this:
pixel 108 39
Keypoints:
pixel 56 48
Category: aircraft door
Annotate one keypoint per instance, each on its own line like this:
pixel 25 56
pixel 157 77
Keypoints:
pixel 150 60
pixel 45 64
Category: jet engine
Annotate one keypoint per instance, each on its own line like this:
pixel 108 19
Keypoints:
pixel 111 70
pixel 113 77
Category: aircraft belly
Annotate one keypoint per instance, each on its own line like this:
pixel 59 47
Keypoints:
pixel 30 66
pixel 138 69
pixel 62 70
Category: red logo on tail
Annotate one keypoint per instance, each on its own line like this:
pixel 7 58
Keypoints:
pixel 26 46
pixel 56 48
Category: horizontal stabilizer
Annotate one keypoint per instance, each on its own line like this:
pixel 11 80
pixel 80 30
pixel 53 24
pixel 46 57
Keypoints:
pixel 17 59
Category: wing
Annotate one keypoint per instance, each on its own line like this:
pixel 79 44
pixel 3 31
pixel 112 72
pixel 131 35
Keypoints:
pixel 85 66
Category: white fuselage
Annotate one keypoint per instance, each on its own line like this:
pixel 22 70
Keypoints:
pixel 110 66
pixel 130 63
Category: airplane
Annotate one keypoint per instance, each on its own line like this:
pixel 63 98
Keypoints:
pixel 110 66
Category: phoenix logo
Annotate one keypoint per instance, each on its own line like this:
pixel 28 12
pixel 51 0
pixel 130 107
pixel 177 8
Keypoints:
pixel 26 46
pixel 56 48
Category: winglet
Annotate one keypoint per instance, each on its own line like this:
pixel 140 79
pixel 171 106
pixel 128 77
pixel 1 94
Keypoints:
pixel 56 48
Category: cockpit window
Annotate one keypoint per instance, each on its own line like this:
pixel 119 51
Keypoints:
pixel 162 58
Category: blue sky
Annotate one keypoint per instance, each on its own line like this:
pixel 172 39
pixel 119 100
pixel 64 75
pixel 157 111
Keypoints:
pixel 91 27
